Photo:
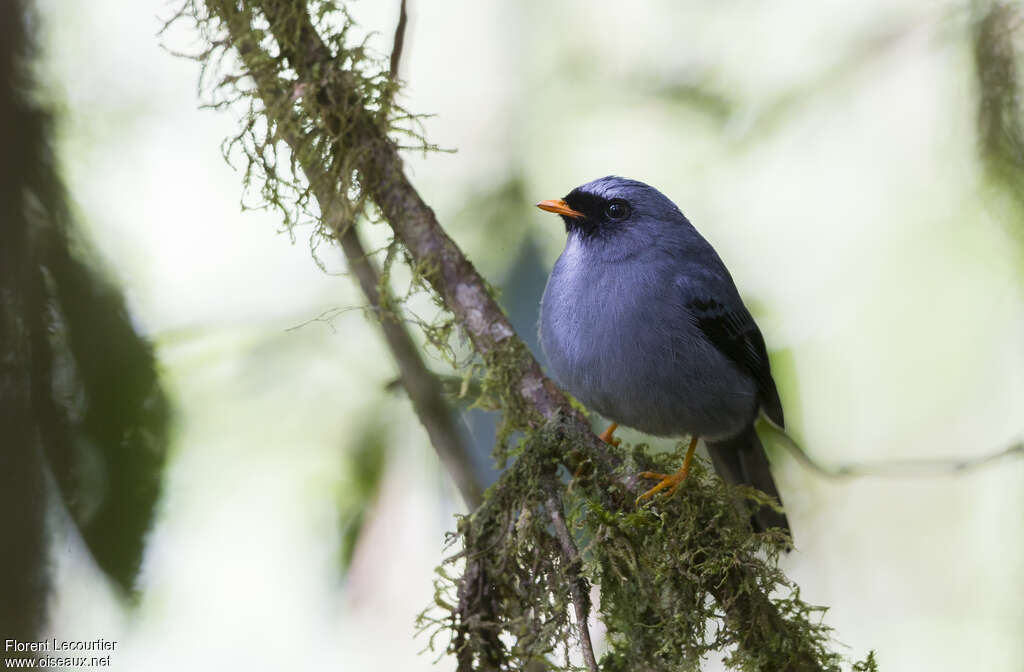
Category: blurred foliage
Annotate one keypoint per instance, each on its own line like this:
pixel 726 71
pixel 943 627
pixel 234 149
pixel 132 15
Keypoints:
pixel 996 44
pixel 366 460
pixel 79 391
pixel 24 175
pixel 491 219
pixel 113 436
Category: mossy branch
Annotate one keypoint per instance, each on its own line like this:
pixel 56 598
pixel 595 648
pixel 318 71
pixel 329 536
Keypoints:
pixel 421 385
pixel 677 580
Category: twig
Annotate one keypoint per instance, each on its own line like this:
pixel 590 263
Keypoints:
pixel 396 50
pixel 898 468
pixel 577 584
pixel 421 384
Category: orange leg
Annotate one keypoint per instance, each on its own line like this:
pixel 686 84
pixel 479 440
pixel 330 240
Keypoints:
pixel 608 435
pixel 669 481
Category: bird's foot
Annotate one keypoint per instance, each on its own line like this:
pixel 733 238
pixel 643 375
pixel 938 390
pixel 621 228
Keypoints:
pixel 669 482
pixel 608 435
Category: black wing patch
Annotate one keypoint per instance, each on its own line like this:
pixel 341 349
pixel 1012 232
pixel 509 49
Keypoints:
pixel 735 334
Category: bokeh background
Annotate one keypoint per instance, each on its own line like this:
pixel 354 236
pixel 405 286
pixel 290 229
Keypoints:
pixel 828 150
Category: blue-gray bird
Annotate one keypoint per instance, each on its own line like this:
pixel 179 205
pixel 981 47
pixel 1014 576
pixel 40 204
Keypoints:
pixel 641 322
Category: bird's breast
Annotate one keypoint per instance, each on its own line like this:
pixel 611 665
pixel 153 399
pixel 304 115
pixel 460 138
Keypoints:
pixel 618 339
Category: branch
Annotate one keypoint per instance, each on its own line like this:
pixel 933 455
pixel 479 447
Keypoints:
pixel 910 467
pixel 422 385
pixel 577 584
pixel 396 50
pixel 531 399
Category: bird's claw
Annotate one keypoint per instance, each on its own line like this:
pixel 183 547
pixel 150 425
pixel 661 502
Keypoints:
pixel 670 481
pixel 608 435
pixel 666 481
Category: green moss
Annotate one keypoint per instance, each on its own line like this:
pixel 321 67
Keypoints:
pixel 679 578
pixel 502 373
pixel 502 597
pixel 288 120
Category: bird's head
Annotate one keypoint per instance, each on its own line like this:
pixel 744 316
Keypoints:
pixel 615 207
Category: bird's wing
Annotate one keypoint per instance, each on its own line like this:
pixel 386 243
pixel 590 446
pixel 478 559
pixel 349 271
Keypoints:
pixel 733 331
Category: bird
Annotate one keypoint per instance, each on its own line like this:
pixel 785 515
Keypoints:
pixel 642 322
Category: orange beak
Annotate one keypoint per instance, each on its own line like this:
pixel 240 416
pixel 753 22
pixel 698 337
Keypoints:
pixel 559 208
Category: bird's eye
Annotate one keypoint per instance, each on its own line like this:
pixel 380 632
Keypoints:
pixel 617 210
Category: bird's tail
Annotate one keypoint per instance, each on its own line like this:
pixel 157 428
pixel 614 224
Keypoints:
pixel 741 460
